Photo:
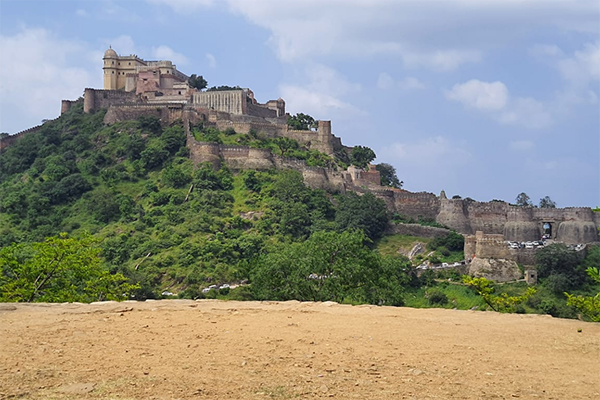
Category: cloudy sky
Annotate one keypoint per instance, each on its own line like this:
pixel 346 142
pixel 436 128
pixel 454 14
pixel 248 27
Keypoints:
pixel 481 98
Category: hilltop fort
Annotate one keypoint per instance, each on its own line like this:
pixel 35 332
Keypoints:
pixel 134 87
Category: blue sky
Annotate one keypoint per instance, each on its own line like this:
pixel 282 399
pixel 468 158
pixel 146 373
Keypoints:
pixel 481 98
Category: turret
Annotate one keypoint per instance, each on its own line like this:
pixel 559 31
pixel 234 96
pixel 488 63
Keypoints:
pixel 110 69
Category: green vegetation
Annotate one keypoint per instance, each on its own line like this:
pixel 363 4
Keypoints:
pixel 587 305
pixel 301 122
pixel 425 221
pixel 223 88
pixel 547 202
pixel 361 156
pixel 502 302
pixel 60 269
pixel 141 220
pixel 388 176
pixel 523 200
pixel 197 82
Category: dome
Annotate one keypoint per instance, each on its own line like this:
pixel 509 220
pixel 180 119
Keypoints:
pixel 110 53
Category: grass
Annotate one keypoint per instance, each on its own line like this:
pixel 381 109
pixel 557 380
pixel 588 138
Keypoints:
pixel 389 245
pixel 459 296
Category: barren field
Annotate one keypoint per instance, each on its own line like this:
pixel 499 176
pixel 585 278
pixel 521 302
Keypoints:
pixel 178 349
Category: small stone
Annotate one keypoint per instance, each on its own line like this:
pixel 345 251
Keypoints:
pixel 324 389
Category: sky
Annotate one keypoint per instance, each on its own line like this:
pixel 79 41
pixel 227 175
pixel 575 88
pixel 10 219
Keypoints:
pixel 480 98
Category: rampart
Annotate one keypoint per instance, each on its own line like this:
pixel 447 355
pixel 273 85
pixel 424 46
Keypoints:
pixel 96 99
pixel 415 205
pixel 7 141
pixel 417 230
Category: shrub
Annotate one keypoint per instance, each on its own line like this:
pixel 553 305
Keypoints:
pixel 437 297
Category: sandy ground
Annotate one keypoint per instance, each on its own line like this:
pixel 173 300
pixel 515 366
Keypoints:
pixel 179 349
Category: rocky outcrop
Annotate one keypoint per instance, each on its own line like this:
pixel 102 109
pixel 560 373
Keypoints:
pixel 498 270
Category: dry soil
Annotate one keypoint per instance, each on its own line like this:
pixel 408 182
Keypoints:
pixel 178 349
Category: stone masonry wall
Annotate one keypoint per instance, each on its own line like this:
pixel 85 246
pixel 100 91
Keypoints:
pixel 417 230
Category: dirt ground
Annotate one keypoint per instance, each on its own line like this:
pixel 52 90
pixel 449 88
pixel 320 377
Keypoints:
pixel 180 349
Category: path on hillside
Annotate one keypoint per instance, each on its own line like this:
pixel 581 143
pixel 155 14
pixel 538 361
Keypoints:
pixel 179 349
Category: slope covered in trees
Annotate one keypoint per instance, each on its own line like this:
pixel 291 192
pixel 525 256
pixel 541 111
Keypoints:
pixel 157 224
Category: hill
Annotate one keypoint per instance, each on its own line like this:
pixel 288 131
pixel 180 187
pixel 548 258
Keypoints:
pixel 170 226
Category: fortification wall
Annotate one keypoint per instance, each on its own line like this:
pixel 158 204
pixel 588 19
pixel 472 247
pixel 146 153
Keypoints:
pixel 416 204
pixel 133 112
pixel 7 141
pixel 261 111
pixel 488 217
pixel 417 230
pixel 96 99
pixel 452 214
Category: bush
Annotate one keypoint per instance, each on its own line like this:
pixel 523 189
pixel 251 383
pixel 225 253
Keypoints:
pixel 437 297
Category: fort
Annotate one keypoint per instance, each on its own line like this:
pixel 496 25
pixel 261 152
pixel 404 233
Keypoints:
pixel 134 87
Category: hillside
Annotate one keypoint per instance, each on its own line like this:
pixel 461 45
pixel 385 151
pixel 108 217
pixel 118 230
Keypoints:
pixel 172 229
pixel 181 349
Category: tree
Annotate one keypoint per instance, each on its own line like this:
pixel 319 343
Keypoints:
pixel 587 305
pixel 301 122
pixel 560 266
pixel 197 82
pixel 523 200
pixel 501 303
pixel 61 269
pixel 365 212
pixel 547 202
pixel 329 266
pixel 388 176
pixel 286 145
pixel 361 156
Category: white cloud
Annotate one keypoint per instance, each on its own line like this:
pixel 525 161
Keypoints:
pixel 123 44
pixel 521 145
pixel 541 50
pixel 493 98
pixel 82 13
pixel 526 112
pixel 184 6
pixel 484 96
pixel 323 92
pixel 431 151
pixel 385 81
pixel 584 66
pixel 163 52
pixel 41 74
pixel 212 61
pixel 441 60
pixel 411 83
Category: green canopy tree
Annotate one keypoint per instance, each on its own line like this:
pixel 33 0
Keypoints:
pixel 547 202
pixel 329 266
pixel 361 156
pixel 197 82
pixel 523 200
pixel 388 176
pixel 365 212
pixel 60 269
pixel 301 122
